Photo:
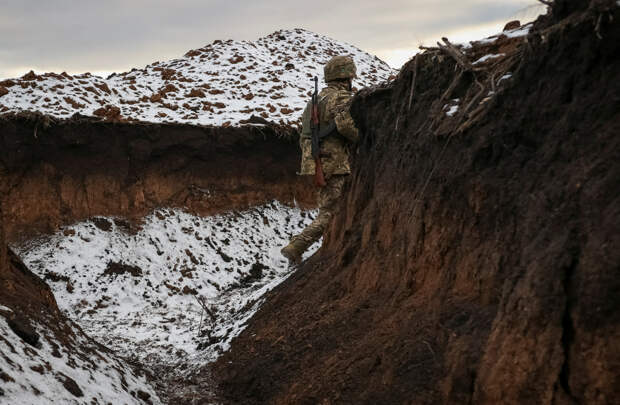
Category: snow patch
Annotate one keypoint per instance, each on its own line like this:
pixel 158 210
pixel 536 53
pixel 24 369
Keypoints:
pixel 519 32
pixel 452 107
pixel 452 110
pixel 488 57
pixel 40 376
pixel 142 293
pixel 504 77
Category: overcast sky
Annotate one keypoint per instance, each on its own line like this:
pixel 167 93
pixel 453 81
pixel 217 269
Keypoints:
pixel 115 35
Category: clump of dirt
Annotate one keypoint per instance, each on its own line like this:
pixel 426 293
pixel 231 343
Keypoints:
pixel 102 223
pixel 71 386
pixel 475 256
pixel 256 273
pixel 22 328
pixel 114 269
pixel 109 113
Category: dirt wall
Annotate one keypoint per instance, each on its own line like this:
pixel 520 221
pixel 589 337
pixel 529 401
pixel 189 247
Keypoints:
pixel 470 263
pixel 61 172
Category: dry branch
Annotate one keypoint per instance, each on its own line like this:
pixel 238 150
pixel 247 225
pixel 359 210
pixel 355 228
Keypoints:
pixel 413 80
pixel 457 55
pixel 3 248
pixel 450 89
pixel 476 99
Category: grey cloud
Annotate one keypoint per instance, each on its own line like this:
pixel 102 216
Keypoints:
pixel 81 35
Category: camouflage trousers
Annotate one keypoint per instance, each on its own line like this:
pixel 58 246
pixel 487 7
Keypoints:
pixel 328 202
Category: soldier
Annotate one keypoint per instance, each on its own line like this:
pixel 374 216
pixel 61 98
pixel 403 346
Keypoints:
pixel 333 106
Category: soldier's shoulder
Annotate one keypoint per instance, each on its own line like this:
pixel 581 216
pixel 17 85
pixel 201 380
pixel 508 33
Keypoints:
pixel 333 92
pixel 336 97
pixel 338 100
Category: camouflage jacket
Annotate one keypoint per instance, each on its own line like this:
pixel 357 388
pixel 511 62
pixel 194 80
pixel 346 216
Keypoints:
pixel 334 103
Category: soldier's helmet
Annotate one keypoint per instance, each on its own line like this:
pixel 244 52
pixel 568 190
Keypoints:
pixel 340 67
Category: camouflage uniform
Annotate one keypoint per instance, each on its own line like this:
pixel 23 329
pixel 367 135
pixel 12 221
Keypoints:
pixel 334 102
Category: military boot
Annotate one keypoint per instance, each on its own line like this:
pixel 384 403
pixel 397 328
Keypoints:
pixel 294 250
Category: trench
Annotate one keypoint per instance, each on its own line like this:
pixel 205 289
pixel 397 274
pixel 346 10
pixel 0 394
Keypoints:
pixel 477 223
pixel 158 241
pixel 476 245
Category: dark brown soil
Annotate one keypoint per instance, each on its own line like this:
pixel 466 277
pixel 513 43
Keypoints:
pixel 474 266
pixel 58 172
pixel 114 269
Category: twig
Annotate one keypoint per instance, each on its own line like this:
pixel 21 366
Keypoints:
pixel 475 116
pixel 413 79
pixel 206 309
pixel 450 89
pixel 457 55
pixel 429 348
pixel 200 325
pixel 597 29
pixel 475 99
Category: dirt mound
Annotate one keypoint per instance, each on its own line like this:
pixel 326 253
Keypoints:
pixel 476 256
pixel 59 172
pixel 238 77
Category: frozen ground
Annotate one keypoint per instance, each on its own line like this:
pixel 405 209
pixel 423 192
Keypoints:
pixel 140 293
pixel 77 371
pixel 220 84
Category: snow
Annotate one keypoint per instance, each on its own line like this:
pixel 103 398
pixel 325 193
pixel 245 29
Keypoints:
pixel 35 376
pixel 504 77
pixel 153 313
pixel 488 57
pixel 452 110
pixel 220 84
pixel 452 107
pixel 518 32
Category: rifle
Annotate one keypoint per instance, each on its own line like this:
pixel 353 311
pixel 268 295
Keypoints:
pixel 319 177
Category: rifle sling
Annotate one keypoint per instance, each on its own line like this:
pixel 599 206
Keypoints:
pixel 328 130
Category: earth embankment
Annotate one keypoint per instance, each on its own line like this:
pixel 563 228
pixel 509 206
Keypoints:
pixel 57 172
pixel 475 258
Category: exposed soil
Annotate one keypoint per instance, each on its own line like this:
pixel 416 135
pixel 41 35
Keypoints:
pixel 22 290
pixel 60 172
pixel 114 269
pixel 471 263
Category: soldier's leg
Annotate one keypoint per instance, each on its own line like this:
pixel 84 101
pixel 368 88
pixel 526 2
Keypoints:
pixel 328 202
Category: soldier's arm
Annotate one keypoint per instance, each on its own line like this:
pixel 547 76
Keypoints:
pixel 346 125
pixel 344 120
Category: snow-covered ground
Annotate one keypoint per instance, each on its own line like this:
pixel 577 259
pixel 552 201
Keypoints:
pixel 140 293
pixel 220 84
pixel 75 372
pixel 514 33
